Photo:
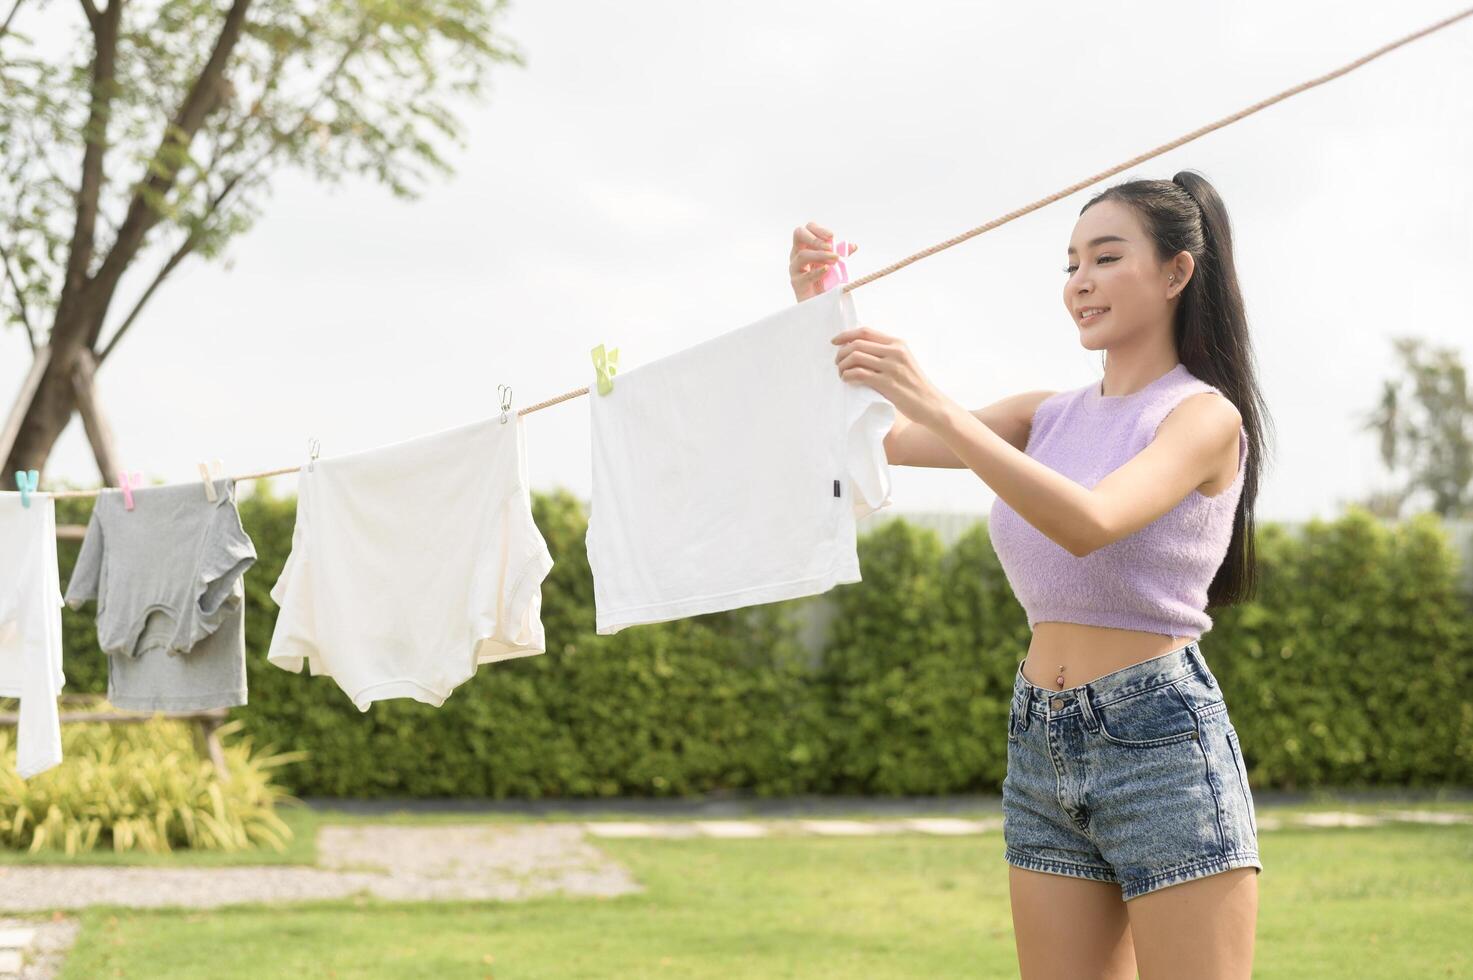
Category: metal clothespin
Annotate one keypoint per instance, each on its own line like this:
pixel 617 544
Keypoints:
pixel 205 474
pixel 505 392
pixel 605 365
pixel 129 486
pixel 836 273
pixel 25 482
pixel 313 448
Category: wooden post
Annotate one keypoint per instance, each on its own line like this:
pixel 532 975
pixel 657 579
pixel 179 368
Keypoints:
pixel 98 432
pixel 206 721
pixel 28 387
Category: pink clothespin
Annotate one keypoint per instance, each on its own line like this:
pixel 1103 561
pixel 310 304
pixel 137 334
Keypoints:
pixel 128 487
pixel 836 272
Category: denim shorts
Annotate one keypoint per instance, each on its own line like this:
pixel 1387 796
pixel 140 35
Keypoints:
pixel 1134 778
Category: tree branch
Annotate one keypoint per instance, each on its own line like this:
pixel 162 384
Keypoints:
pixel 5 27
pixel 95 136
pixel 168 267
pixel 20 298
pixel 203 96
pixel 190 242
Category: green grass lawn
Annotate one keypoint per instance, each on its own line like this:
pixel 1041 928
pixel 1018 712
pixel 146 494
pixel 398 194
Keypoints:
pixel 1384 902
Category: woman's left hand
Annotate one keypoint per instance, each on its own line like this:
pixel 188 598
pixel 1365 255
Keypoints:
pixel 887 365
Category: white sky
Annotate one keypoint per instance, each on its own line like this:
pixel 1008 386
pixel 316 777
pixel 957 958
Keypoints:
pixel 637 185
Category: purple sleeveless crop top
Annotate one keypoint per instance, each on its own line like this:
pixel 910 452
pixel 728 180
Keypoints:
pixel 1155 579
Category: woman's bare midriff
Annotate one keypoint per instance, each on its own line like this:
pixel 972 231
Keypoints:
pixel 1088 652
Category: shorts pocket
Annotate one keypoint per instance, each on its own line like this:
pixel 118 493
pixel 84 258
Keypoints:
pixel 1242 767
pixel 1158 716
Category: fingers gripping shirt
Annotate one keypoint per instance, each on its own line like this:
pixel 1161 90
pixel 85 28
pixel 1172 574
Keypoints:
pixel 30 628
pixel 732 473
pixel 166 573
pixel 413 563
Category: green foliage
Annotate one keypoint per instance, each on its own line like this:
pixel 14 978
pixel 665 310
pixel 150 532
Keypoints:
pixel 1351 667
pixel 1424 424
pixel 331 88
pixel 145 787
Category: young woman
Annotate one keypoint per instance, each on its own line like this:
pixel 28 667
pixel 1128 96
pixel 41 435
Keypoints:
pixel 1124 509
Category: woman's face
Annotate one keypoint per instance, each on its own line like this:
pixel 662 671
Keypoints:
pixel 1112 264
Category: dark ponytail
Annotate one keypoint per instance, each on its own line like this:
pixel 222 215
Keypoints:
pixel 1185 214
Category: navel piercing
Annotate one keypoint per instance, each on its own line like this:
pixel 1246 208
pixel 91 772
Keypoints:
pixel 1060 679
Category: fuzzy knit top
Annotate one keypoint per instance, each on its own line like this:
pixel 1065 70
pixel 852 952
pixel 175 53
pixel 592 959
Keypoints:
pixel 1154 579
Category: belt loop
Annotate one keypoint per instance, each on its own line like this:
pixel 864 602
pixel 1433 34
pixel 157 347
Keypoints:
pixel 1025 710
pixel 1087 709
pixel 1199 664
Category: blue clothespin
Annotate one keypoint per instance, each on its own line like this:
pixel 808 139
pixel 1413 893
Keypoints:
pixel 26 481
pixel 605 366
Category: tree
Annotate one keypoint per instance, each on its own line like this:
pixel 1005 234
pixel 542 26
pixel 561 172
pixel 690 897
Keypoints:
pixel 1425 424
pixel 154 137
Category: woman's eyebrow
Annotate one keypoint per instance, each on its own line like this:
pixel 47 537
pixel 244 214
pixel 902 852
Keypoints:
pixel 1102 239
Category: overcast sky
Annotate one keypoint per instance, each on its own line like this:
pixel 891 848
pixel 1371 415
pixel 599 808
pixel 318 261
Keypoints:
pixel 636 184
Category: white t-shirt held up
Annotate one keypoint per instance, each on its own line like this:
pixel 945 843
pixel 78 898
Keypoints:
pixel 732 473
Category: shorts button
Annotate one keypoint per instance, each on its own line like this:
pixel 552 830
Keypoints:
pixel 1056 703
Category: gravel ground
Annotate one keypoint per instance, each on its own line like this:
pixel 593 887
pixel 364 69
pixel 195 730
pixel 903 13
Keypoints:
pixel 400 863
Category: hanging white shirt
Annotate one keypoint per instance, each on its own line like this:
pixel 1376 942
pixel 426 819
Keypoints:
pixel 30 628
pixel 732 473
pixel 413 563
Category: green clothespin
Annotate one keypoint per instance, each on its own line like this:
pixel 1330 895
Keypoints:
pixel 605 365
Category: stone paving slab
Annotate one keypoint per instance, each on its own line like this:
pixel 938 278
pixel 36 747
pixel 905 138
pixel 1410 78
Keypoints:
pixel 953 825
pixel 730 828
pixel 34 949
pixel 848 828
pixel 1333 819
pixel 1430 816
pixel 624 828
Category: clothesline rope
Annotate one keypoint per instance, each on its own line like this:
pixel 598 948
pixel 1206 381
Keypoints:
pixel 1011 215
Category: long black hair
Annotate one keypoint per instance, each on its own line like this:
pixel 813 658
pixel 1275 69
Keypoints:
pixel 1185 214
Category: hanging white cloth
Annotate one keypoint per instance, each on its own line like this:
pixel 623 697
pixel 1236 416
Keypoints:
pixel 30 628
pixel 732 473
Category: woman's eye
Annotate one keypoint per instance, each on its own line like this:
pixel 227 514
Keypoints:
pixel 1070 268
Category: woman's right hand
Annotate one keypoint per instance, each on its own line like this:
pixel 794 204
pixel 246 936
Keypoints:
pixel 812 254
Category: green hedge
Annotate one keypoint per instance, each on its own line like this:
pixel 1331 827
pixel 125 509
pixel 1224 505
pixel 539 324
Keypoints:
pixel 1351 668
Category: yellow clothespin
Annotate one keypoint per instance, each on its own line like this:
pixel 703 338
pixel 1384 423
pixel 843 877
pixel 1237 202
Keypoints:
pixel 605 366
pixel 204 472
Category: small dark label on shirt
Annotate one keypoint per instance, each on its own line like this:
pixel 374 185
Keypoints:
pixel 836 488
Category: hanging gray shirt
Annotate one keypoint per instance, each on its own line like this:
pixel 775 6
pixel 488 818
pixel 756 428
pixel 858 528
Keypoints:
pixel 167 577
